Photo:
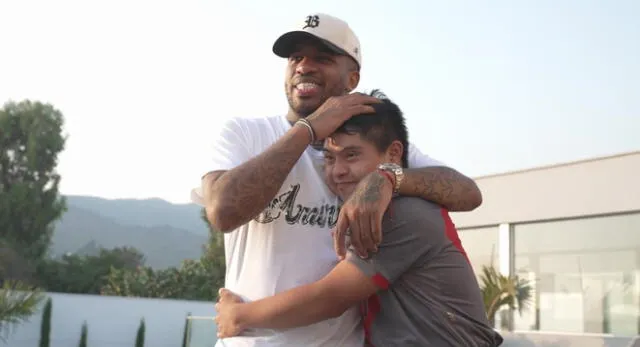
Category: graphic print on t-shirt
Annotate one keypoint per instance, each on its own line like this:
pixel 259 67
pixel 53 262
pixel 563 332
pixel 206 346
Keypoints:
pixel 284 205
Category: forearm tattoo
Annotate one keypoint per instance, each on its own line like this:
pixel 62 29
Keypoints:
pixel 246 190
pixel 441 185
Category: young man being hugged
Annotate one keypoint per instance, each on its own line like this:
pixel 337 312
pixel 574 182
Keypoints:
pixel 418 289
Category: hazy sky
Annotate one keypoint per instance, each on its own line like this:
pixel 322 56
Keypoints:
pixel 487 86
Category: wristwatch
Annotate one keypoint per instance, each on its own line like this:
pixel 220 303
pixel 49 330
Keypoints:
pixel 398 173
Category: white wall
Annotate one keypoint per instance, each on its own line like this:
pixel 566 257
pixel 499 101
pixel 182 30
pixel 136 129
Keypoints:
pixel 590 187
pixel 112 321
pixel 534 339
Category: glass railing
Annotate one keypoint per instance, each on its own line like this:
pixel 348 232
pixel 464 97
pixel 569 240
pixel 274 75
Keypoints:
pixel 201 331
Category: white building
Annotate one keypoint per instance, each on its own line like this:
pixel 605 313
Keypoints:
pixel 574 230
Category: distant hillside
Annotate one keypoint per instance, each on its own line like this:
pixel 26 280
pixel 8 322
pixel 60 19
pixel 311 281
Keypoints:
pixel 147 212
pixel 164 232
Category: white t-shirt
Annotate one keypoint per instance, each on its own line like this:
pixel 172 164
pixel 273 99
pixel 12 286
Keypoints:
pixel 290 243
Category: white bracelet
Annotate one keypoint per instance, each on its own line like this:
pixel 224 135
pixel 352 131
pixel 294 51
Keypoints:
pixel 306 123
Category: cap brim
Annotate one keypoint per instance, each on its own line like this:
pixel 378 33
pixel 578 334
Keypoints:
pixel 286 44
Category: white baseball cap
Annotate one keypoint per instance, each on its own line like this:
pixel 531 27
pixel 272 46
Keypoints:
pixel 331 31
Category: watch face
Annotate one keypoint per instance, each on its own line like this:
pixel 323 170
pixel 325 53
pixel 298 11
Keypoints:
pixel 397 172
pixel 389 166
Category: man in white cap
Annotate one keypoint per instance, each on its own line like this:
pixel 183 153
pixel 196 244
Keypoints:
pixel 265 190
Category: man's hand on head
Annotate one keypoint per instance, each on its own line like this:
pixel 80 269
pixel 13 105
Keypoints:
pixel 337 110
pixel 361 216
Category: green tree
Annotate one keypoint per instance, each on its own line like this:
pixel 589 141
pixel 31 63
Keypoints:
pixel 86 274
pixel 18 302
pixel 140 334
pixel 45 326
pixel 30 141
pixel 192 280
pixel 213 258
pixel 14 266
pixel 142 282
pixel 83 335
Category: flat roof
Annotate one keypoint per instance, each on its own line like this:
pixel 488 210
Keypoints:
pixel 552 166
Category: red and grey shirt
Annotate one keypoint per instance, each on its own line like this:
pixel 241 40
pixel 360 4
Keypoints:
pixel 429 295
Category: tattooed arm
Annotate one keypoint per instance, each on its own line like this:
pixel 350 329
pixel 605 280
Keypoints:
pixel 362 213
pixel 431 180
pixel 442 185
pixel 235 196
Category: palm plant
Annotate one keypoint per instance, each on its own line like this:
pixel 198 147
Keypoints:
pixel 18 302
pixel 499 290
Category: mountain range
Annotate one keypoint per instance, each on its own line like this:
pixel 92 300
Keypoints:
pixel 165 233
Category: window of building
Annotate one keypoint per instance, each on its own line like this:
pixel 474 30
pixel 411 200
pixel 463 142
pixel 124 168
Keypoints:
pixel 585 272
pixel 481 245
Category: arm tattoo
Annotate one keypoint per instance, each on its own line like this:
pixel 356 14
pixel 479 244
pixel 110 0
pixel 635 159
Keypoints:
pixel 243 192
pixel 368 191
pixel 372 190
pixel 444 186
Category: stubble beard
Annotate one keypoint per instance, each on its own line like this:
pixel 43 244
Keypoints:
pixel 304 112
pixel 301 110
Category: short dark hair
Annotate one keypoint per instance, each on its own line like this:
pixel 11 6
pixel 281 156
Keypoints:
pixel 383 127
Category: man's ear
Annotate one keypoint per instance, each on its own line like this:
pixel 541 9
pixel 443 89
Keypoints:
pixel 354 79
pixel 395 151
